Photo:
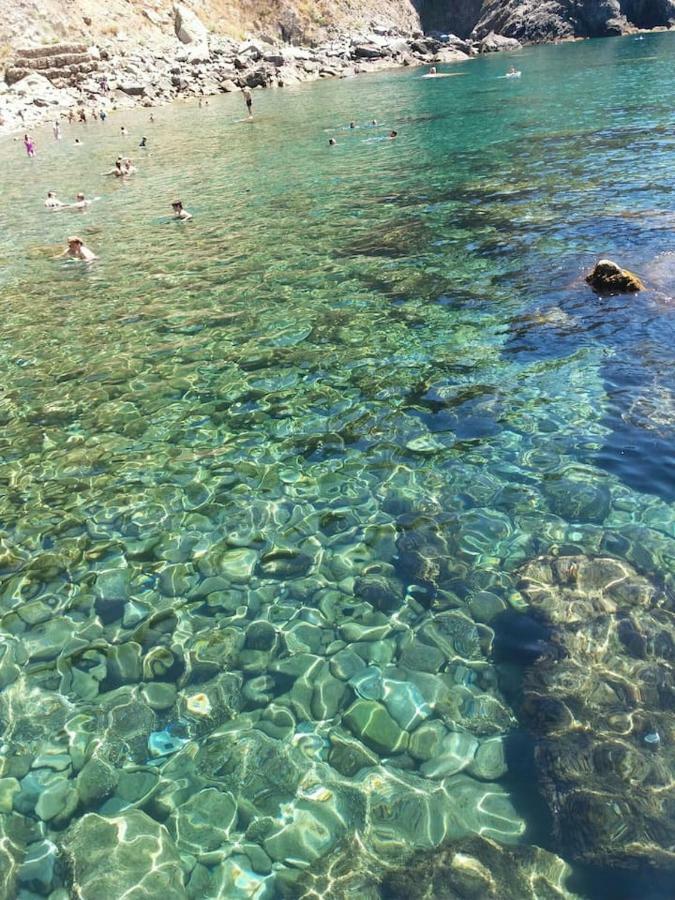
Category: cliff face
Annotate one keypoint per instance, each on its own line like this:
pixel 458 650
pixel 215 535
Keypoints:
pixel 537 20
pixel 146 22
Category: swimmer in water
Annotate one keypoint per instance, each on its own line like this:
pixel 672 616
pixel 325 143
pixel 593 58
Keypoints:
pixel 52 201
pixel 152 118
pixel 332 142
pixel 123 131
pixel 78 142
pixel 393 134
pixel 56 128
pixel 248 99
pixel 143 144
pixel 432 70
pixel 179 212
pixel 128 166
pixel 81 202
pixel 77 250
pixel 118 170
pixel 352 124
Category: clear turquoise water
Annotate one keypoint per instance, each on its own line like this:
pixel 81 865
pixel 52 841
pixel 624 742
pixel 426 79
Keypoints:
pixel 351 355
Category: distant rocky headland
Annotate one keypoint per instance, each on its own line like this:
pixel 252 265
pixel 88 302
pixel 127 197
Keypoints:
pixel 151 54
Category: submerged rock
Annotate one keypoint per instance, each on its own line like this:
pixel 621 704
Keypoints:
pixel 609 278
pixel 480 869
pixel 595 703
pixel 123 856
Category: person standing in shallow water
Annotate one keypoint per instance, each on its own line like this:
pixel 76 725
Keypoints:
pixel 248 99
pixel 29 144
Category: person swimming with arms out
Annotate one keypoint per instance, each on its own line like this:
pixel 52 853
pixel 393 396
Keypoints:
pixel 179 212
pixel 77 250
pixel 117 170
pixel 52 201
pixel 81 202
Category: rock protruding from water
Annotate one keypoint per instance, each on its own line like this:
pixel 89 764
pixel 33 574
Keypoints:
pixel 609 278
pixel 600 704
pixel 128 855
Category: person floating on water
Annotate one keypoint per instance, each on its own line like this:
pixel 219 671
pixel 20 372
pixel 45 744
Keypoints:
pixel 29 144
pixel 77 250
pixel 52 201
pixel 248 99
pixel 179 212
pixel 81 202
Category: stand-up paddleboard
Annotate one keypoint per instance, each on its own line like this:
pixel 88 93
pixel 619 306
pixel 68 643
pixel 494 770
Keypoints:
pixel 443 75
pixel 513 75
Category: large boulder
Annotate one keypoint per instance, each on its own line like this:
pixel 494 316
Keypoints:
pixel 191 30
pixel 496 43
pixel 124 856
pixel 609 278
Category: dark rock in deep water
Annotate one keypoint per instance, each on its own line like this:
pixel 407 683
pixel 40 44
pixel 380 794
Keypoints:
pixel 600 705
pixel 609 278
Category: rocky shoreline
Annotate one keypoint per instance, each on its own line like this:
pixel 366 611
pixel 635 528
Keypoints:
pixel 45 84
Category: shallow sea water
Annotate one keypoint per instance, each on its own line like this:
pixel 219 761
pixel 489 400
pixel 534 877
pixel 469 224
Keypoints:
pixel 310 506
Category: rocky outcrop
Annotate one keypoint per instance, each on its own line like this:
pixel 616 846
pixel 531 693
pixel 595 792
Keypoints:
pixel 534 21
pixel 60 63
pixel 609 278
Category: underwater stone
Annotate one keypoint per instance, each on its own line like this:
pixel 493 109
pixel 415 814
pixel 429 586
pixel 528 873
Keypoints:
pixel 485 606
pixel 124 664
pixel 236 880
pixel 345 664
pixel 489 763
pixel 277 721
pixel 313 828
pixel 37 870
pixel 404 703
pixel 57 802
pixel 260 635
pixel 371 722
pixel 159 695
pixel 96 781
pixel 121 856
pixel 368 683
pixel 238 565
pixel 284 564
pixel 204 822
pixel 457 750
pixel 382 592
pixel 8 788
pixel 328 696
pixel 455 635
pixel 348 755
pixel 480 869
pixel 578 501
pixel 422 657
pixel 425 742
pixel 198 705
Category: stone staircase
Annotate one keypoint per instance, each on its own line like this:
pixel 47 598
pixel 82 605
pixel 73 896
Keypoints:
pixel 62 64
